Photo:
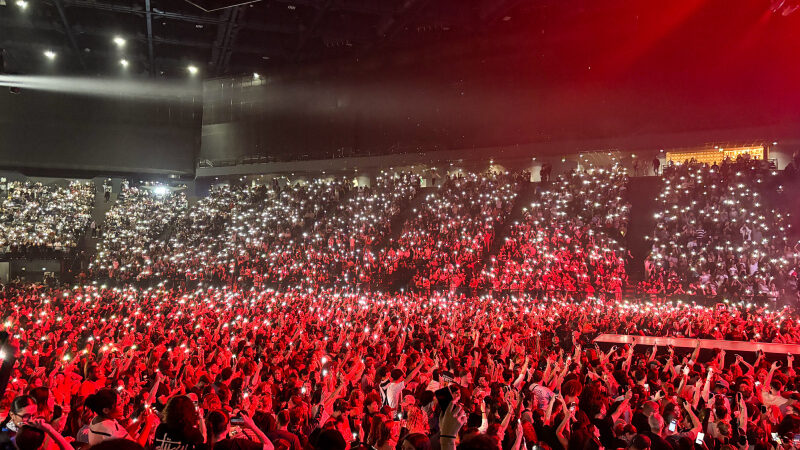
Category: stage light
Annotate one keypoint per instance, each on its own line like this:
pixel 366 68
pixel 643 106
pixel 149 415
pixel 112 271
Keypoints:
pixel 775 143
pixel 193 69
pixel 124 62
pixel 119 41
pixel 160 191
pixel 49 54
pixel 256 76
pixel 22 4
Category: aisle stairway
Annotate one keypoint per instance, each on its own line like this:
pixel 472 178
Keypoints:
pixel 641 194
pixel 396 227
pixel 527 195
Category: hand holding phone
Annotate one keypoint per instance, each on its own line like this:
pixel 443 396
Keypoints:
pixel 700 438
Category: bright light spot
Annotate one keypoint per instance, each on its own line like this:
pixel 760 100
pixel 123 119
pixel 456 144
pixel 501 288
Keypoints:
pixel 22 4
pixel 160 191
pixel 193 70
pixel 256 76
pixel 123 62
pixel 49 54
pixel 119 41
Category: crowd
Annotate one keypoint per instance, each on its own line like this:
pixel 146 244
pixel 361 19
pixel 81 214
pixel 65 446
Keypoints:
pixel 219 368
pixel 256 319
pixel 444 240
pixel 37 219
pixel 341 247
pixel 134 231
pixel 718 235
pixel 569 239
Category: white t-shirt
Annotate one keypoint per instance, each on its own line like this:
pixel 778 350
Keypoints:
pixel 105 430
pixel 392 392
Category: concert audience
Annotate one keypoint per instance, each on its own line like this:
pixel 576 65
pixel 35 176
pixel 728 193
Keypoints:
pixel 718 235
pixel 569 238
pixel 134 230
pixel 444 240
pixel 36 218
pixel 336 369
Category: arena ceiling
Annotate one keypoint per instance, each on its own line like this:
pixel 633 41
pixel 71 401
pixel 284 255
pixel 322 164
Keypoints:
pixel 163 38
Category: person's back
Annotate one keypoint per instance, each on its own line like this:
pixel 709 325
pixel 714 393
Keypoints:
pixel 282 438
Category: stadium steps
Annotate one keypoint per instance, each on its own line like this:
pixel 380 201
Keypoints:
pixel 527 194
pixel 641 194
pixel 396 226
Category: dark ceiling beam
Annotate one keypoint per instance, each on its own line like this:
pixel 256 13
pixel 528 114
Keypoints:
pixel 129 10
pixel 68 30
pixel 43 25
pixel 158 14
pixel 226 36
pixel 150 51
pixel 309 32
pixel 233 33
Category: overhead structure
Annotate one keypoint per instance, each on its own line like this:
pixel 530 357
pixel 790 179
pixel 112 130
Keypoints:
pixel 227 37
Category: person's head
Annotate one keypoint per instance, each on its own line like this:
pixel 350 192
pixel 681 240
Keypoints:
pixel 330 439
pixel 211 402
pixel 44 402
pixel 649 407
pixel 94 372
pixel 217 425
pixel 105 403
pixel 29 438
pixel 656 423
pixel 23 409
pixel 479 441
pixel 283 419
pixel 416 441
pixel 117 444
pixel 640 442
pixel 380 432
pixel 180 413
pixel 372 403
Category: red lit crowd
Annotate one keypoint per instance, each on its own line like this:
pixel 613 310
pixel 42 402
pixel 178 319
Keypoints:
pixel 316 316
pixel 569 238
pixel 719 234
pixel 442 244
pixel 270 369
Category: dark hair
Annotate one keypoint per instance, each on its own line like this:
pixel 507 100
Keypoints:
pixel 117 444
pixel 29 438
pixel 330 439
pixel 479 442
pixel 419 441
pixel 180 414
pixel 264 421
pixel 216 423
pixel 641 442
pixel 21 402
pixel 283 418
pixel 102 399
pixel 40 395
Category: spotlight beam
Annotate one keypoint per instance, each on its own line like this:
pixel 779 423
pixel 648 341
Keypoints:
pixel 111 88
